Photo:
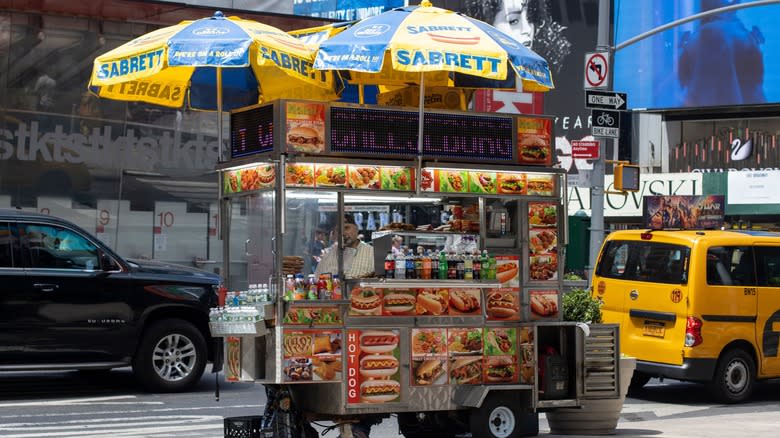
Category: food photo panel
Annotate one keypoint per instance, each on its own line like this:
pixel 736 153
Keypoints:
pixel 503 304
pixel 429 356
pixel 544 304
pixel 373 366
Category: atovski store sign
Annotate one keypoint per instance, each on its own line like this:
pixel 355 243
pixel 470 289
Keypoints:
pixel 653 184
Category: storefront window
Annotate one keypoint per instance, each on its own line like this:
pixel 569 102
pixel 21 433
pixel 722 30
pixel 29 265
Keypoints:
pixel 138 176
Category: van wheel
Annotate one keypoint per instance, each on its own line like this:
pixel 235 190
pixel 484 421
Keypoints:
pixel 638 380
pixel 171 356
pixel 734 377
pixel 503 416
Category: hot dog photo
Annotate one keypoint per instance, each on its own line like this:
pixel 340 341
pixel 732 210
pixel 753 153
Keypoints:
pixel 432 302
pixel 466 370
pixel 465 301
pixel 508 270
pixel 503 304
pixel 399 302
pixel 544 304
pixel 365 302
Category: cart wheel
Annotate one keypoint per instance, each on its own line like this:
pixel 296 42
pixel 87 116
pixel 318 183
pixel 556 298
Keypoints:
pixel 502 416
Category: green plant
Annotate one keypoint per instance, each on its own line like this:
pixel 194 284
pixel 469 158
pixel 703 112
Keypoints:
pixel 578 305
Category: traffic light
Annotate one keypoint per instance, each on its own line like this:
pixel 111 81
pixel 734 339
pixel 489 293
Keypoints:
pixel 626 177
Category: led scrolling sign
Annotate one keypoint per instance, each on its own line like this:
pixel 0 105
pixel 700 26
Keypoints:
pixel 377 131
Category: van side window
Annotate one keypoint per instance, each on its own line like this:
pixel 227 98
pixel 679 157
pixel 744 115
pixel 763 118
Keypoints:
pixel 730 266
pixel 768 263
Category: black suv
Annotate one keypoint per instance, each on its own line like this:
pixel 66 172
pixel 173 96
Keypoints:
pixel 68 302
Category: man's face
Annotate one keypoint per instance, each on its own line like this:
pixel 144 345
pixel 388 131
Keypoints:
pixel 512 19
pixel 350 235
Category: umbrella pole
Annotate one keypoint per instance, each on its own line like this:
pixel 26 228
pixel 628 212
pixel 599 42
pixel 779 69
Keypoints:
pixel 421 117
pixel 361 95
pixel 219 114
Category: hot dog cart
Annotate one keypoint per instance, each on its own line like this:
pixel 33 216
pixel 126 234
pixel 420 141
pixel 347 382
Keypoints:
pixel 366 277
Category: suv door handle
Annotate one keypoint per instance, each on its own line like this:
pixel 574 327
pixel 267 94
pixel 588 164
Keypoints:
pixel 46 287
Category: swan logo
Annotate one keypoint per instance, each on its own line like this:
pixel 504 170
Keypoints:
pixel 741 151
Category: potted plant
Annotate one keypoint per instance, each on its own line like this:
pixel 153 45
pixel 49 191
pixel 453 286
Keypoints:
pixel 598 415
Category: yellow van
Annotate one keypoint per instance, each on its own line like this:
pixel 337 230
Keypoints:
pixel 701 306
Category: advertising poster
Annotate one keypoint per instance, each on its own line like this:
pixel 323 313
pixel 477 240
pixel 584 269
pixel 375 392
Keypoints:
pixel 503 304
pixel 397 178
pixel 534 141
pixel 688 212
pixel 343 10
pixel 744 41
pixel 312 355
pixel 482 182
pixel 373 365
pixel 510 183
pixel 542 214
pixel 305 127
pixel 544 304
pixel 399 302
pixel 540 185
pixel 416 302
pixel 364 177
pixel 429 356
pixel 233 359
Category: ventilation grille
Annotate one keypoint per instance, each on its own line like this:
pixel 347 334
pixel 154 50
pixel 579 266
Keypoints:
pixel 601 376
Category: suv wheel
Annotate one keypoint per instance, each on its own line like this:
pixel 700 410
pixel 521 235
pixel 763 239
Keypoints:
pixel 171 356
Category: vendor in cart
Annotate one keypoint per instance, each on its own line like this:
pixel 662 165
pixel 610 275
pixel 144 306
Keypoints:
pixel 358 255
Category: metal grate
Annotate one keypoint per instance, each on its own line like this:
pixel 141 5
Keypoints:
pixel 601 378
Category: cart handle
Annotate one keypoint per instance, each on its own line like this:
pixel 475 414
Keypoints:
pixel 584 327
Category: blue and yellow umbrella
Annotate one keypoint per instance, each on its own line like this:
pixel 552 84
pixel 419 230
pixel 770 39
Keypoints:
pixel 434 46
pixel 216 63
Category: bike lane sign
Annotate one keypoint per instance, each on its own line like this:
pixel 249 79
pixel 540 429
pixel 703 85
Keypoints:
pixel 605 123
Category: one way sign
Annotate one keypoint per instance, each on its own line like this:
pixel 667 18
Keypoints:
pixel 609 100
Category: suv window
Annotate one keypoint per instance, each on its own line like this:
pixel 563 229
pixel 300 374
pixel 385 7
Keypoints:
pixel 9 246
pixel 768 264
pixel 730 266
pixel 56 247
pixel 645 261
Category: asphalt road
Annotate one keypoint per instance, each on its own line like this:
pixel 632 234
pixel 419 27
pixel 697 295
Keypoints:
pixel 78 405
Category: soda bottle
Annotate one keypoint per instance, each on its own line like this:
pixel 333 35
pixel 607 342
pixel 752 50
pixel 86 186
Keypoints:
pixel 484 262
pixel 427 266
pixel 492 268
pixel 410 272
pixel 311 288
pixel 300 287
pixel 289 288
pixel 443 270
pixel 468 267
pixel 452 267
pixel 322 288
pixel 477 265
pixel 389 265
pixel 460 266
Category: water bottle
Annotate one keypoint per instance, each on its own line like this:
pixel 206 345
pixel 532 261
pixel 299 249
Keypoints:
pixel 400 266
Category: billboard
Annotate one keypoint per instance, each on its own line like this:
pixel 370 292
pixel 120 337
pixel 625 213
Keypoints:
pixel 686 212
pixel 345 10
pixel 726 59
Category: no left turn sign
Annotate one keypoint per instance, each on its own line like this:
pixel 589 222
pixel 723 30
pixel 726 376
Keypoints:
pixel 596 70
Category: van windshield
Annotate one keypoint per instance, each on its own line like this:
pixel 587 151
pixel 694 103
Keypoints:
pixel 645 261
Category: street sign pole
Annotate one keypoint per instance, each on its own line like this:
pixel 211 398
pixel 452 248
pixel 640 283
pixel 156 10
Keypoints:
pixel 597 175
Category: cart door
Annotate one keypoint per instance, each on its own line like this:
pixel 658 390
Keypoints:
pixel 251 241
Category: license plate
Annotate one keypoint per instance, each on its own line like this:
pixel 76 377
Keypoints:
pixel 656 329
